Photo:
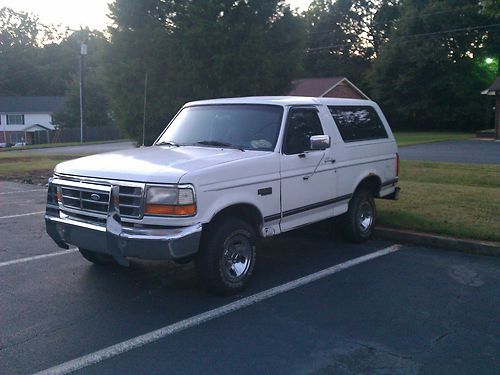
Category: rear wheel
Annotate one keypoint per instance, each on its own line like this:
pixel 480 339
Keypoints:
pixel 97 258
pixel 226 258
pixel 360 217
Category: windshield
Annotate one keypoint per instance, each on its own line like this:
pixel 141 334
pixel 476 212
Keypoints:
pixel 249 127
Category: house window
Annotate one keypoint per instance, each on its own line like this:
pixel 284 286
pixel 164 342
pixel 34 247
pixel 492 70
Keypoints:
pixel 358 123
pixel 15 119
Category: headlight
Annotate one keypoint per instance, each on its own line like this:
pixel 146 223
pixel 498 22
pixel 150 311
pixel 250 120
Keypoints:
pixel 170 201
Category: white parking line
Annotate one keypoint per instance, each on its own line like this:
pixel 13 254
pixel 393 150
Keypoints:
pixel 28 214
pixel 36 257
pixel 21 191
pixel 137 342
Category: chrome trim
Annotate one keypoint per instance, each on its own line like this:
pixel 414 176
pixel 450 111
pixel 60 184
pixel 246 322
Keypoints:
pixel 97 214
pixel 122 242
pixel 152 234
pixel 100 180
pixel 82 224
pixel 99 185
pixel 110 236
pixel 88 185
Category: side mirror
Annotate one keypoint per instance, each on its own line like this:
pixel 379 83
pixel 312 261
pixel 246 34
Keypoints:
pixel 320 142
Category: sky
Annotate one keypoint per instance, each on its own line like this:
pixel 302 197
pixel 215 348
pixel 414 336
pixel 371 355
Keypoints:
pixel 76 13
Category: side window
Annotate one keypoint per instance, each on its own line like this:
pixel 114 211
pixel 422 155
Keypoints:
pixel 358 123
pixel 301 125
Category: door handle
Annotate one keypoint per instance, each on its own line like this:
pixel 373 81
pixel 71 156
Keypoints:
pixel 329 160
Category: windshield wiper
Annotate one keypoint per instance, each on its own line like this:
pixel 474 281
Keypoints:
pixel 169 143
pixel 220 144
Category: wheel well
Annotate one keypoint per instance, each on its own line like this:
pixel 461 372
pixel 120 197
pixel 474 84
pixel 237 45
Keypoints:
pixel 372 184
pixel 247 212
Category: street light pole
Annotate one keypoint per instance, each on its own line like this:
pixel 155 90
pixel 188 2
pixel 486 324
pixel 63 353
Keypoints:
pixel 5 131
pixel 83 52
pixel 144 108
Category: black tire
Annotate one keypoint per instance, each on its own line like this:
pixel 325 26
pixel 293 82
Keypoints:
pixel 359 220
pixel 97 258
pixel 226 259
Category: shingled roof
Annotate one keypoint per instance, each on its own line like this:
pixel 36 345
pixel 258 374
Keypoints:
pixel 314 87
pixel 318 87
pixel 30 104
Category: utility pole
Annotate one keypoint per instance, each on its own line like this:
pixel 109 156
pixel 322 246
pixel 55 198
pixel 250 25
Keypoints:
pixel 83 52
pixel 144 109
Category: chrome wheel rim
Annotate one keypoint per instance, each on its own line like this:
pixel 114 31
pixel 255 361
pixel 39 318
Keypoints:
pixel 365 217
pixel 237 257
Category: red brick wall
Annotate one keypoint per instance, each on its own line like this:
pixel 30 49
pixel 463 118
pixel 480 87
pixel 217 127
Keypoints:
pixel 343 90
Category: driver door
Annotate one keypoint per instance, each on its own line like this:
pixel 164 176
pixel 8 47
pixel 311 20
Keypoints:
pixel 307 177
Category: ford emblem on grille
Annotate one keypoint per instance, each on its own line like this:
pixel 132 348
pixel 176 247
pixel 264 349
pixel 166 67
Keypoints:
pixel 95 197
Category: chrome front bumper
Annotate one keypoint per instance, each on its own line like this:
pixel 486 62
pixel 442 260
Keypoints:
pixel 120 240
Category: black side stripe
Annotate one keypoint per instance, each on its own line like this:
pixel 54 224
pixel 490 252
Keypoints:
pixel 308 207
pixel 272 217
pixel 390 182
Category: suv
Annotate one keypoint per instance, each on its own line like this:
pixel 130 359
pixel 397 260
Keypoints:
pixel 223 173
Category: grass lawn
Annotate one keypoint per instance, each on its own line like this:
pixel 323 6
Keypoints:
pixel 413 138
pixel 30 168
pixel 460 200
pixel 53 145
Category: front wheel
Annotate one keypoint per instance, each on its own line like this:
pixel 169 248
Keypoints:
pixel 360 217
pixel 227 255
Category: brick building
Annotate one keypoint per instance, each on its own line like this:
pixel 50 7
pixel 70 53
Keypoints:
pixel 328 87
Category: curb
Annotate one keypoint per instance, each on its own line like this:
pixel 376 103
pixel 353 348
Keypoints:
pixel 443 242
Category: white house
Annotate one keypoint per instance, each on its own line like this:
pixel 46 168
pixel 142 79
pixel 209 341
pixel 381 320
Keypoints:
pixel 27 118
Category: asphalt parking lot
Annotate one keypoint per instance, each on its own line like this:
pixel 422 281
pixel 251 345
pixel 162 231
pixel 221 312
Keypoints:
pixel 474 151
pixel 406 310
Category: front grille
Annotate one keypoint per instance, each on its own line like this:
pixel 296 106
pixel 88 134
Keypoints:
pixel 84 200
pixel 130 201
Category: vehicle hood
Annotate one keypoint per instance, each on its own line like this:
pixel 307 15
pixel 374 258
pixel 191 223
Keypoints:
pixel 156 164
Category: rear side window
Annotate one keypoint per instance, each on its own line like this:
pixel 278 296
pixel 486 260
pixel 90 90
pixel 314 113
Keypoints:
pixel 358 123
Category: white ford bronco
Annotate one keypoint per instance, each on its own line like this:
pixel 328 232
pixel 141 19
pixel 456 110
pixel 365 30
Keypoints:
pixel 223 173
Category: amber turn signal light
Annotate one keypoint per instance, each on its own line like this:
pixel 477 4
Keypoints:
pixel 162 209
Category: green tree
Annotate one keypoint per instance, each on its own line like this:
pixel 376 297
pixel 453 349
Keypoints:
pixel 96 110
pixel 96 106
pixel 491 7
pixel 235 48
pixel 25 44
pixel 344 36
pixel 141 42
pixel 429 75
pixel 195 50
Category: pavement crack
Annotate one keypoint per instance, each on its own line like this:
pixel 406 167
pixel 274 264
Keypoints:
pixel 440 337
pixel 42 333
pixel 375 349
